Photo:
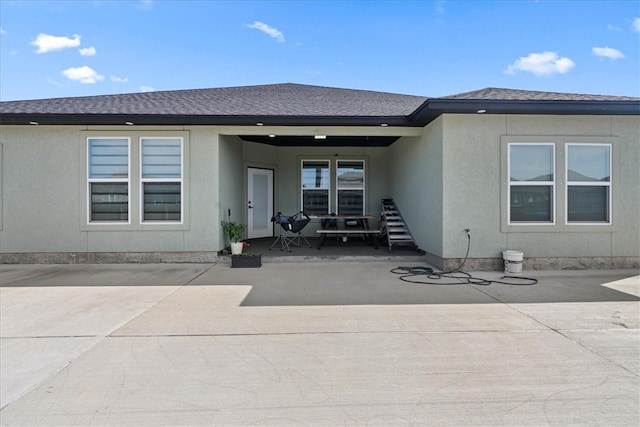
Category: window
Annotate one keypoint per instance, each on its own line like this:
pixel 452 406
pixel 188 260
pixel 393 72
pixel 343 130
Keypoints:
pixel 108 179
pixel 350 187
pixel 315 187
pixel 324 192
pixel 531 183
pixel 161 179
pixel 588 183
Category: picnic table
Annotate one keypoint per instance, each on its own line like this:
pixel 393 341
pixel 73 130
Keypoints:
pixel 361 227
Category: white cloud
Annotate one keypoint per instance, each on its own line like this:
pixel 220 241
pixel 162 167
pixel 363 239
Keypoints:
pixel 613 28
pixel 270 31
pixel 146 89
pixel 607 52
pixel 84 75
pixel 46 43
pixel 541 64
pixel 117 79
pixel 2 31
pixel 87 51
pixel 636 24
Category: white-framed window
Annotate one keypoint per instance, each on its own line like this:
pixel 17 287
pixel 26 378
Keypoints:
pixel 531 175
pixel 108 171
pixel 161 177
pixel 350 187
pixel 315 187
pixel 588 183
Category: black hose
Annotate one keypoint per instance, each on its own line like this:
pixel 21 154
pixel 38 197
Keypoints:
pixel 458 276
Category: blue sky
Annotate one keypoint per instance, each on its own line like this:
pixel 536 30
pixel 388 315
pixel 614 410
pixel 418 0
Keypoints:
pixel 431 48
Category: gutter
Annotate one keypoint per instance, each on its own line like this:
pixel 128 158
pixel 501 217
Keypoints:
pixel 435 107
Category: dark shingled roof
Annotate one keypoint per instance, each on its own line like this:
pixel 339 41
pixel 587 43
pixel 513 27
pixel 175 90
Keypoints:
pixel 499 94
pixel 267 100
pixel 297 104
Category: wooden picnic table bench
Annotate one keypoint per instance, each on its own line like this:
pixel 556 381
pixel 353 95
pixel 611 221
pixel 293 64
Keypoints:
pixel 361 220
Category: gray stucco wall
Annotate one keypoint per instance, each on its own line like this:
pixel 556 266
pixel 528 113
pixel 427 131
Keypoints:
pixel 475 188
pixel 40 190
pixel 44 194
pixel 450 178
pixel 416 185
pixel 232 183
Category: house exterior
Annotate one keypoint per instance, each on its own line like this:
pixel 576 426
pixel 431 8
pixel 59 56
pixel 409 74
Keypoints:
pixel 148 177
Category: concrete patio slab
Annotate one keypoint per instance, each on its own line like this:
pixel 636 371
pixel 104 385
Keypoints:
pixel 467 378
pixel 313 344
pixel 27 362
pixel 217 310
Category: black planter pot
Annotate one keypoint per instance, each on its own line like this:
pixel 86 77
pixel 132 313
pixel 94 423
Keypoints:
pixel 246 261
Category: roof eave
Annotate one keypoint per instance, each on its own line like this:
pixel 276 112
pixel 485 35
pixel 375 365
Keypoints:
pixel 195 120
pixel 433 108
pixel 422 116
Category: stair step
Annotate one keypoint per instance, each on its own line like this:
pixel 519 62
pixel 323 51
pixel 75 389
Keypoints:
pixel 403 237
pixel 396 228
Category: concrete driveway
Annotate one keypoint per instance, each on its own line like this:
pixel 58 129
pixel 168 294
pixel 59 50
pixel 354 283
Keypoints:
pixel 314 345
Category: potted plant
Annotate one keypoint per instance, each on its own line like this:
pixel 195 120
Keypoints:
pixel 246 260
pixel 234 231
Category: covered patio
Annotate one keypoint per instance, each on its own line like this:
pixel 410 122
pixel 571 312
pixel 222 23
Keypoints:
pixel 355 249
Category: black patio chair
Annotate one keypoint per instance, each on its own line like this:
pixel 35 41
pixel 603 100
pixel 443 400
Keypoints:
pixel 290 224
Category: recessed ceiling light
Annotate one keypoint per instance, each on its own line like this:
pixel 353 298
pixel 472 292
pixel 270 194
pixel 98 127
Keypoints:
pixel 259 124
pixel 481 111
pixel 34 123
pixel 128 123
pixel 320 137
pixel 272 136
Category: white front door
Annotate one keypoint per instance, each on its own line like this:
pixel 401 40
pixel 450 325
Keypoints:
pixel 260 198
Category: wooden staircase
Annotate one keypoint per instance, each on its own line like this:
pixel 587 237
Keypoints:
pixel 394 228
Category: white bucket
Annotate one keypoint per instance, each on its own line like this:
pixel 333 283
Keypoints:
pixel 512 262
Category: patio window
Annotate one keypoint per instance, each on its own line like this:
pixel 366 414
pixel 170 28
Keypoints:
pixel 350 187
pixel 588 183
pixel 108 179
pixel 531 174
pixel 161 179
pixel 315 187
